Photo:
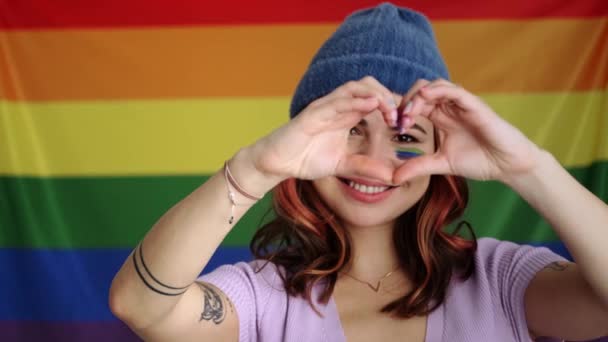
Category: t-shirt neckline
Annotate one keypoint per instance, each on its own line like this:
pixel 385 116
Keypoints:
pixel 335 332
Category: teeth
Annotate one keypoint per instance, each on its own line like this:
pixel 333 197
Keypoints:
pixel 366 188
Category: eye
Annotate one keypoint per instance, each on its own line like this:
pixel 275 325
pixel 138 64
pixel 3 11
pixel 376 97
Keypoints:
pixel 406 138
pixel 354 131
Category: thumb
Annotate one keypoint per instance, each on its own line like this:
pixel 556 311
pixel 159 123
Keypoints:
pixel 430 164
pixel 365 166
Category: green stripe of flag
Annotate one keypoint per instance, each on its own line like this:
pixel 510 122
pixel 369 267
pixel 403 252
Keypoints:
pixel 90 212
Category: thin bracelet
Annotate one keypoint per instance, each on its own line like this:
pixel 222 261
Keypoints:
pixel 230 194
pixel 237 186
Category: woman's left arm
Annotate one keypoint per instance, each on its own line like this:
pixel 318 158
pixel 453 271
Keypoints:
pixel 566 300
pixel 569 300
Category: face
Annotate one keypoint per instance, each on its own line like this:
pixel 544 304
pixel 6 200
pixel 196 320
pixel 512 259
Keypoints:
pixel 375 204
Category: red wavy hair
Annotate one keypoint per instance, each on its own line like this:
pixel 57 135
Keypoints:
pixel 308 241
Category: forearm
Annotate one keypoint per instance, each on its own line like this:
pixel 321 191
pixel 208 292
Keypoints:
pixel 578 217
pixel 181 242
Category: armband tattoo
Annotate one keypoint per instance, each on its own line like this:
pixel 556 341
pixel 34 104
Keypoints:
pixel 150 281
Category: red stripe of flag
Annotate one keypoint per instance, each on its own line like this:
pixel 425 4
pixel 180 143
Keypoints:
pixel 43 14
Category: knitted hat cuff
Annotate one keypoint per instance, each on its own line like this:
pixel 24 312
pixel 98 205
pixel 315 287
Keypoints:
pixel 395 73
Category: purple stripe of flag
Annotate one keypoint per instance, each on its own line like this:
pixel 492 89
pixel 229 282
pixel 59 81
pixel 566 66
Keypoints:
pixel 101 331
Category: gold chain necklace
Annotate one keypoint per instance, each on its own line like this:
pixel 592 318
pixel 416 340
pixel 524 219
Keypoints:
pixel 374 288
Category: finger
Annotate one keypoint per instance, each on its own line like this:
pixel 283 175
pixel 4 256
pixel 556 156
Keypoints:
pixel 368 86
pixel 435 112
pixel 457 95
pixel 430 164
pixel 363 106
pixel 363 88
pixel 411 92
pixel 440 81
pixel 441 120
pixel 426 106
pixel 349 89
pixel 388 107
pixel 340 113
pixel 416 106
pixel 361 165
pixel 406 104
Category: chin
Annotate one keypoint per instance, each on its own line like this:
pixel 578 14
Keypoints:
pixel 360 214
pixel 361 219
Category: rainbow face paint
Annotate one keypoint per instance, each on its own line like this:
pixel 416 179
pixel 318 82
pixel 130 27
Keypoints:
pixel 407 153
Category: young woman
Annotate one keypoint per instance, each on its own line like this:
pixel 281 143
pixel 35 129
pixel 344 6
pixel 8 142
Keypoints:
pixel 366 176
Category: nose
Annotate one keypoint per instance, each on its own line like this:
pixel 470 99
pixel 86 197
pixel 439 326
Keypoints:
pixel 375 148
pixel 378 146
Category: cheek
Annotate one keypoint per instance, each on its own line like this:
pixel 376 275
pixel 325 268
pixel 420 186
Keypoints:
pixel 429 147
pixel 413 190
pixel 324 187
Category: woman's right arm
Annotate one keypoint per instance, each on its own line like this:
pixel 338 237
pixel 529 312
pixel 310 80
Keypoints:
pixel 154 292
pixel 175 251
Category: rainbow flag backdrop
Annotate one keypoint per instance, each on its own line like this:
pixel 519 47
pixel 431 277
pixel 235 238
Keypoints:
pixel 112 111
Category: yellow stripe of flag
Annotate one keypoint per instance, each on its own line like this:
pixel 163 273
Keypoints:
pixel 195 136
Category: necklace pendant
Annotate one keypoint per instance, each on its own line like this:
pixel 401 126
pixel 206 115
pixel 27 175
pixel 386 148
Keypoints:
pixel 376 288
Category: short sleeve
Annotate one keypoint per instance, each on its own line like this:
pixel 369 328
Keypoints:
pixel 510 268
pixel 246 290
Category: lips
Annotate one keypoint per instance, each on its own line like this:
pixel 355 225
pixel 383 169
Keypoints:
pixel 365 197
pixel 363 182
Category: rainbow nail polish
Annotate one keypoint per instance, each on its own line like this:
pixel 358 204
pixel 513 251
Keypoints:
pixel 407 153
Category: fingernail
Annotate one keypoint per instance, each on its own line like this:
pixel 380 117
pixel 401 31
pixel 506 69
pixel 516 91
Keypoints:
pixel 408 107
pixel 391 102
pixel 407 120
pixel 394 117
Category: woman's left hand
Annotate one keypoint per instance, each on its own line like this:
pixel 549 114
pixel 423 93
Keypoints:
pixel 474 142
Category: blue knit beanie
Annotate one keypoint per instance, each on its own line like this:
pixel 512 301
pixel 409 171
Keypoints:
pixel 395 45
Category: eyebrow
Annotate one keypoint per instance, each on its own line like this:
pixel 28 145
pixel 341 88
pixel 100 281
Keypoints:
pixel 416 126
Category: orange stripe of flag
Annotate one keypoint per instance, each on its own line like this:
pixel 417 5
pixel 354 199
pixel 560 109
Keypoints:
pixel 484 56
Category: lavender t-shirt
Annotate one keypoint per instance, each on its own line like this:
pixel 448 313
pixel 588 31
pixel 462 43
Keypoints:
pixel 489 306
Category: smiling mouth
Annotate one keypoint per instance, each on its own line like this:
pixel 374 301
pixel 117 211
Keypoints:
pixel 366 188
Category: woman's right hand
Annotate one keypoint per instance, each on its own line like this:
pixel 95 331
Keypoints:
pixel 314 144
